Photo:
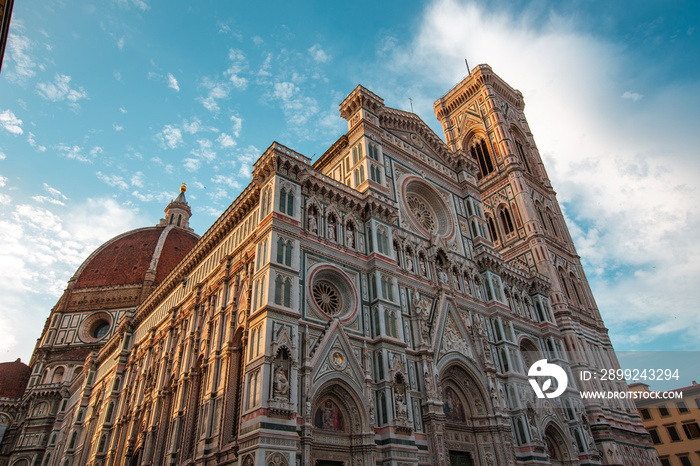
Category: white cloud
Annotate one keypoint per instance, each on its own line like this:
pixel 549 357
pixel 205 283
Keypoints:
pixel 117 127
pixel 32 142
pixel 238 64
pixel 170 137
pixel 162 196
pixel 18 48
pixel 2 155
pixel 60 90
pixel 3 181
pixel 172 83
pixel 195 126
pixel 230 181
pixel 225 140
pixel 633 96
pixel 204 150
pixel 215 91
pixel 138 179
pixel 9 122
pixel 122 110
pixel 115 181
pixel 626 190
pixel 191 165
pixel 120 43
pixel 42 247
pixel 318 54
pixel 236 125
pixel 75 152
pixel 138 4
pixel 54 196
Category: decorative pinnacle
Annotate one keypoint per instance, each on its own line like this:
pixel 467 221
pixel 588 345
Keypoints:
pixel 183 188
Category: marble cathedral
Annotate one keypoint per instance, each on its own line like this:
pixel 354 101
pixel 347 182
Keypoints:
pixel 379 306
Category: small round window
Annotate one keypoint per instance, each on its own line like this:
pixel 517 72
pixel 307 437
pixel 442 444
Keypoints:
pixel 100 329
pixel 95 327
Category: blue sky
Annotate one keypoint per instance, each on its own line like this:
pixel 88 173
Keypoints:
pixel 105 109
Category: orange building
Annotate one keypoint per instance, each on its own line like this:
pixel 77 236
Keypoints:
pixel 673 424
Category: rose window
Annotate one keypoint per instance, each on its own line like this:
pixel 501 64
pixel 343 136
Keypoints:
pixel 425 209
pixel 327 297
pixel 421 212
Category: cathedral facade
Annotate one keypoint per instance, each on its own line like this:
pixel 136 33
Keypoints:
pixel 382 305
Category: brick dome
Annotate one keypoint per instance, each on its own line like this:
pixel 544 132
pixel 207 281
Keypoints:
pixel 125 259
pixel 13 378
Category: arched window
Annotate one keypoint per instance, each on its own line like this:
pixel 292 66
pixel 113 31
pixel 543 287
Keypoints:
pixel 279 284
pixel 551 222
pixel 280 250
pixel 101 445
pixel 564 285
pixel 287 293
pixel 286 205
pixel 506 221
pixel 58 375
pixel 288 254
pixel 71 444
pixel 574 285
pixel 110 410
pixel 523 156
pixel 179 220
pixel 492 230
pixel 480 152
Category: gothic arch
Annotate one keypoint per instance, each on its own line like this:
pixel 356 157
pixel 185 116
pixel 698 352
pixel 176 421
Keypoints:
pixel 557 448
pixel 455 370
pixel 340 424
pixel 478 146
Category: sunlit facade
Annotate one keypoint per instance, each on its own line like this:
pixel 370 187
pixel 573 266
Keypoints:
pixel 381 305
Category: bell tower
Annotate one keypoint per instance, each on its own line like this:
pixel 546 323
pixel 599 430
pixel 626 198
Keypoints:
pixel 483 121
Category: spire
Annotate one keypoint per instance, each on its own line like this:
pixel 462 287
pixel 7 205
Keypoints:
pixel 178 212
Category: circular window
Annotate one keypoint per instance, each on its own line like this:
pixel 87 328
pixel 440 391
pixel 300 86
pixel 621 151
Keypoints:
pixel 426 209
pixel 421 212
pixel 332 292
pixel 95 327
pixel 327 297
pixel 100 329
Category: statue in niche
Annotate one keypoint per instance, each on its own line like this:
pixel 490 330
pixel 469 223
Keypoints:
pixel 331 230
pixel 313 224
pixel 423 270
pixel 349 236
pixel 281 384
pixel 422 309
pixel 400 400
pixel 442 275
pixel 409 262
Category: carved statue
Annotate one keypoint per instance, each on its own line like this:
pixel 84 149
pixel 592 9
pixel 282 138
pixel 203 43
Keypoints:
pixel 281 384
pixel 313 225
pixel 409 263
pixel 422 308
pixel 442 275
pixel 331 231
pixel 349 237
